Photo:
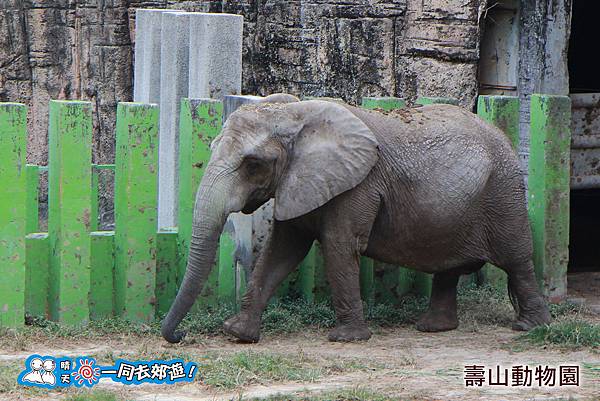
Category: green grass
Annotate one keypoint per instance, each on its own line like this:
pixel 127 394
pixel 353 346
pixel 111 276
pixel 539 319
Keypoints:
pixel 477 306
pixel 93 395
pixel 249 367
pixel 354 394
pixel 571 332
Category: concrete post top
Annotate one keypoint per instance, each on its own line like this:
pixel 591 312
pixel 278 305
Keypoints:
pixel 155 10
pixel 245 97
pixel 216 15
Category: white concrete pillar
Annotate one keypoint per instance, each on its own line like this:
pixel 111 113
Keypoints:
pixel 174 71
pixel 215 55
pixel 180 54
pixel 146 81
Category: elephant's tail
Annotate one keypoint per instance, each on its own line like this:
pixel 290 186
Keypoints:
pixel 511 295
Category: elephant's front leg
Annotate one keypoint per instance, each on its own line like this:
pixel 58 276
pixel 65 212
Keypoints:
pixel 283 251
pixel 342 263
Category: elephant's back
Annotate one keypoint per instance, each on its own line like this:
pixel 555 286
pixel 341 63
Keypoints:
pixel 435 170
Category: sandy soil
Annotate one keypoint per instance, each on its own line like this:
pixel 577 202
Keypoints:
pixel 407 365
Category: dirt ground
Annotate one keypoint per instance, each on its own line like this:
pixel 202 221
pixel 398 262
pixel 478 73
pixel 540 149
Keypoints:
pixel 402 364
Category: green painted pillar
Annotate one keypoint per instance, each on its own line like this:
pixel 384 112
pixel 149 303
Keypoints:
pixel 502 112
pixel 383 103
pixel 33 181
pixel 13 140
pixel 227 267
pixel 321 290
pixel 95 206
pixel 549 176
pixel 37 261
pixel 69 199
pixel 200 122
pixel 102 274
pixel 166 269
pixel 436 100
pixel 136 184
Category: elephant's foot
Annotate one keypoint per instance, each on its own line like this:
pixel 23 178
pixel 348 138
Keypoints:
pixel 436 320
pixel 243 327
pixel 350 332
pixel 527 321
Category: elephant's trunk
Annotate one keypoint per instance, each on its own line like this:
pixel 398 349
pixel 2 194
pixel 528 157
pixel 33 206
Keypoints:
pixel 209 218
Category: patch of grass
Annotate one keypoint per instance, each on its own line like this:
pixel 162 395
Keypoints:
pixel 94 395
pixel 407 311
pixel 477 305
pixel 566 308
pixel 354 394
pixel 10 389
pixel 483 305
pixel 247 367
pixel 571 332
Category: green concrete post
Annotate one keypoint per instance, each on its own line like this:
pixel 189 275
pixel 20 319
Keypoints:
pixel 226 271
pixel 436 100
pixel 37 259
pixel 102 274
pixel 549 179
pixel 13 140
pixel 199 123
pixel 69 199
pixel 33 181
pixel 502 112
pixel 383 103
pixel 136 168
pixel 95 206
pixel 166 269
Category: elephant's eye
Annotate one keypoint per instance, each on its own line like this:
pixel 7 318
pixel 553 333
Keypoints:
pixel 254 166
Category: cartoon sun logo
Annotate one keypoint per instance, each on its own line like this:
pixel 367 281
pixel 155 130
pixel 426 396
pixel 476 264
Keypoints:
pixel 86 372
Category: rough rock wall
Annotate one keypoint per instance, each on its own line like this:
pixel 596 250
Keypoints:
pixel 69 49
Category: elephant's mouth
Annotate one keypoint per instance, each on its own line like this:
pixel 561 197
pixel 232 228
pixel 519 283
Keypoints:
pixel 251 206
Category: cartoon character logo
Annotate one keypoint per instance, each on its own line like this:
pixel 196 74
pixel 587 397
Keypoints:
pixel 40 372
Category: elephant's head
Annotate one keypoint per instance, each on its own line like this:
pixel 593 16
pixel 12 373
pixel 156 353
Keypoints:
pixel 300 153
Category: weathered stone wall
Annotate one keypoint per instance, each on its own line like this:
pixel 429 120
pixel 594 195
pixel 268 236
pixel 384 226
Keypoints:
pixel 67 49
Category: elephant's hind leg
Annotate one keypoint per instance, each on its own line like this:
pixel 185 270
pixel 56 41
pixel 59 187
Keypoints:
pixel 530 306
pixel 284 250
pixel 441 315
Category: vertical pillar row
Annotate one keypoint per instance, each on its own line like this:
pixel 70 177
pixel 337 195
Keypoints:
pixel 13 139
pixel 69 198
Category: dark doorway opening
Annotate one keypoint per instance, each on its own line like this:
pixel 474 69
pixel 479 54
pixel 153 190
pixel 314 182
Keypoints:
pixel 584 76
pixel 584 82
pixel 584 248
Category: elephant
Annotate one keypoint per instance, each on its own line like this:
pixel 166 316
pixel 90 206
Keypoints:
pixel 432 188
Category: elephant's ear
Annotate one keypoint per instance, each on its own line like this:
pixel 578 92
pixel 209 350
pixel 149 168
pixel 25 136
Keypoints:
pixel 333 152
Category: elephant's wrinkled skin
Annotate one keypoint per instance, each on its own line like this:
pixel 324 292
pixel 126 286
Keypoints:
pixel 433 188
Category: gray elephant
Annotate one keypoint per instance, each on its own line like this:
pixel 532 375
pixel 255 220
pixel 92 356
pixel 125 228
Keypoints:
pixel 433 188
